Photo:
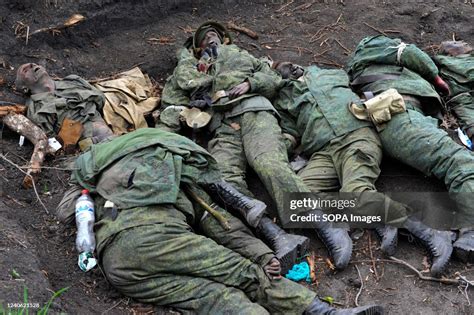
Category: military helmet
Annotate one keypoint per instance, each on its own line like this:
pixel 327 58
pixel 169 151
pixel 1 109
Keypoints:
pixel 195 40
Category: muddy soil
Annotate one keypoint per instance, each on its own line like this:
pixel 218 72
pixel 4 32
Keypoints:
pixel 37 253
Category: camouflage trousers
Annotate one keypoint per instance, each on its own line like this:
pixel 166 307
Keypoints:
pixel 255 138
pixel 351 163
pixel 416 140
pixel 168 264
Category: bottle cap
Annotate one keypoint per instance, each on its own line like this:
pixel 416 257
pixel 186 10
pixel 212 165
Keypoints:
pixel 86 261
pixel 85 192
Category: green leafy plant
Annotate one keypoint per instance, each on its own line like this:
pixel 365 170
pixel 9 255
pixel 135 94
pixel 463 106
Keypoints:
pixel 24 310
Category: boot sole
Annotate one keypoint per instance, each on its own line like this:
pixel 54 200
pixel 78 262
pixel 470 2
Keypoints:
pixel 466 256
pixel 297 248
pixel 372 310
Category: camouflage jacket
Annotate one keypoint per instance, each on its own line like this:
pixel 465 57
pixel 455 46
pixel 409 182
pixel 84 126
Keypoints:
pixel 314 109
pixel 232 67
pixel 141 173
pixel 458 72
pixel 145 167
pixel 411 70
pixel 72 98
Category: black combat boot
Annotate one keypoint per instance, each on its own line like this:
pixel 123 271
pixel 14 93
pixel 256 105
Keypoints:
pixel 389 238
pixel 339 244
pixel 251 209
pixel 318 307
pixel 337 241
pixel 464 246
pixel 437 242
pixel 287 247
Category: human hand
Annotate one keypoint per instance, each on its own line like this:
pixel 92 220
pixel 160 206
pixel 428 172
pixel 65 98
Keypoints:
pixel 273 269
pixel 239 90
pixel 441 85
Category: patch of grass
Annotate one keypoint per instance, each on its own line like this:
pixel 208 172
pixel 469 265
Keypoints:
pixel 25 309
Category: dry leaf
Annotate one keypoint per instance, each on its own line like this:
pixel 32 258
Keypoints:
pixel 74 19
pixel 330 264
pixel 312 266
pixel 425 264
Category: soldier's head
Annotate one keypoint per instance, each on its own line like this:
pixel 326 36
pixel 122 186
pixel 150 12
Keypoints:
pixel 455 48
pixel 288 70
pixel 208 35
pixel 33 78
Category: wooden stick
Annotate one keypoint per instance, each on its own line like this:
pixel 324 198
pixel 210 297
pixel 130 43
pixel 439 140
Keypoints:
pixel 421 276
pixel 71 21
pixel 35 135
pixel 356 300
pixel 376 29
pixel 219 217
pixel 285 5
pixel 461 280
pixel 14 108
pixel 343 47
pixel 242 29
pixel 33 182
pixel 372 258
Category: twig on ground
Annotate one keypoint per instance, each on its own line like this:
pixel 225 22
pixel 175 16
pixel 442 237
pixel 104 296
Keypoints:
pixel 391 31
pixel 324 29
pixel 53 168
pixel 112 307
pixel 343 47
pixel 32 181
pixel 328 63
pixel 242 29
pixel 284 6
pixel 71 21
pixel 464 293
pixel 304 6
pixel 321 53
pixel 376 29
pixel 356 300
pixel 14 200
pixel 461 280
pixel 423 277
pixel 372 258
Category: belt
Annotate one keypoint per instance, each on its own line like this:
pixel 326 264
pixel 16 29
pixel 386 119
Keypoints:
pixel 365 79
pixel 412 99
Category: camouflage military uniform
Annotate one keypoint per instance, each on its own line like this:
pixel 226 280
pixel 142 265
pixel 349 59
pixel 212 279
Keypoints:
pixel 245 130
pixel 345 153
pixel 73 98
pixel 149 250
pixel 458 72
pixel 380 63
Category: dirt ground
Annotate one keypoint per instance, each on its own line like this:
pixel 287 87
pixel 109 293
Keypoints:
pixel 38 253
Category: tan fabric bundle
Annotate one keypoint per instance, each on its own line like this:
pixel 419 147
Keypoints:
pixel 128 98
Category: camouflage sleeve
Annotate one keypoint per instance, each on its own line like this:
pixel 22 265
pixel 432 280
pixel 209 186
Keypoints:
pixel 418 61
pixel 264 80
pixel 390 51
pixel 287 123
pixel 171 97
pixel 187 76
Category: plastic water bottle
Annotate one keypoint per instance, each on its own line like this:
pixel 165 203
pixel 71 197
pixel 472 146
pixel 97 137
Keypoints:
pixel 85 239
